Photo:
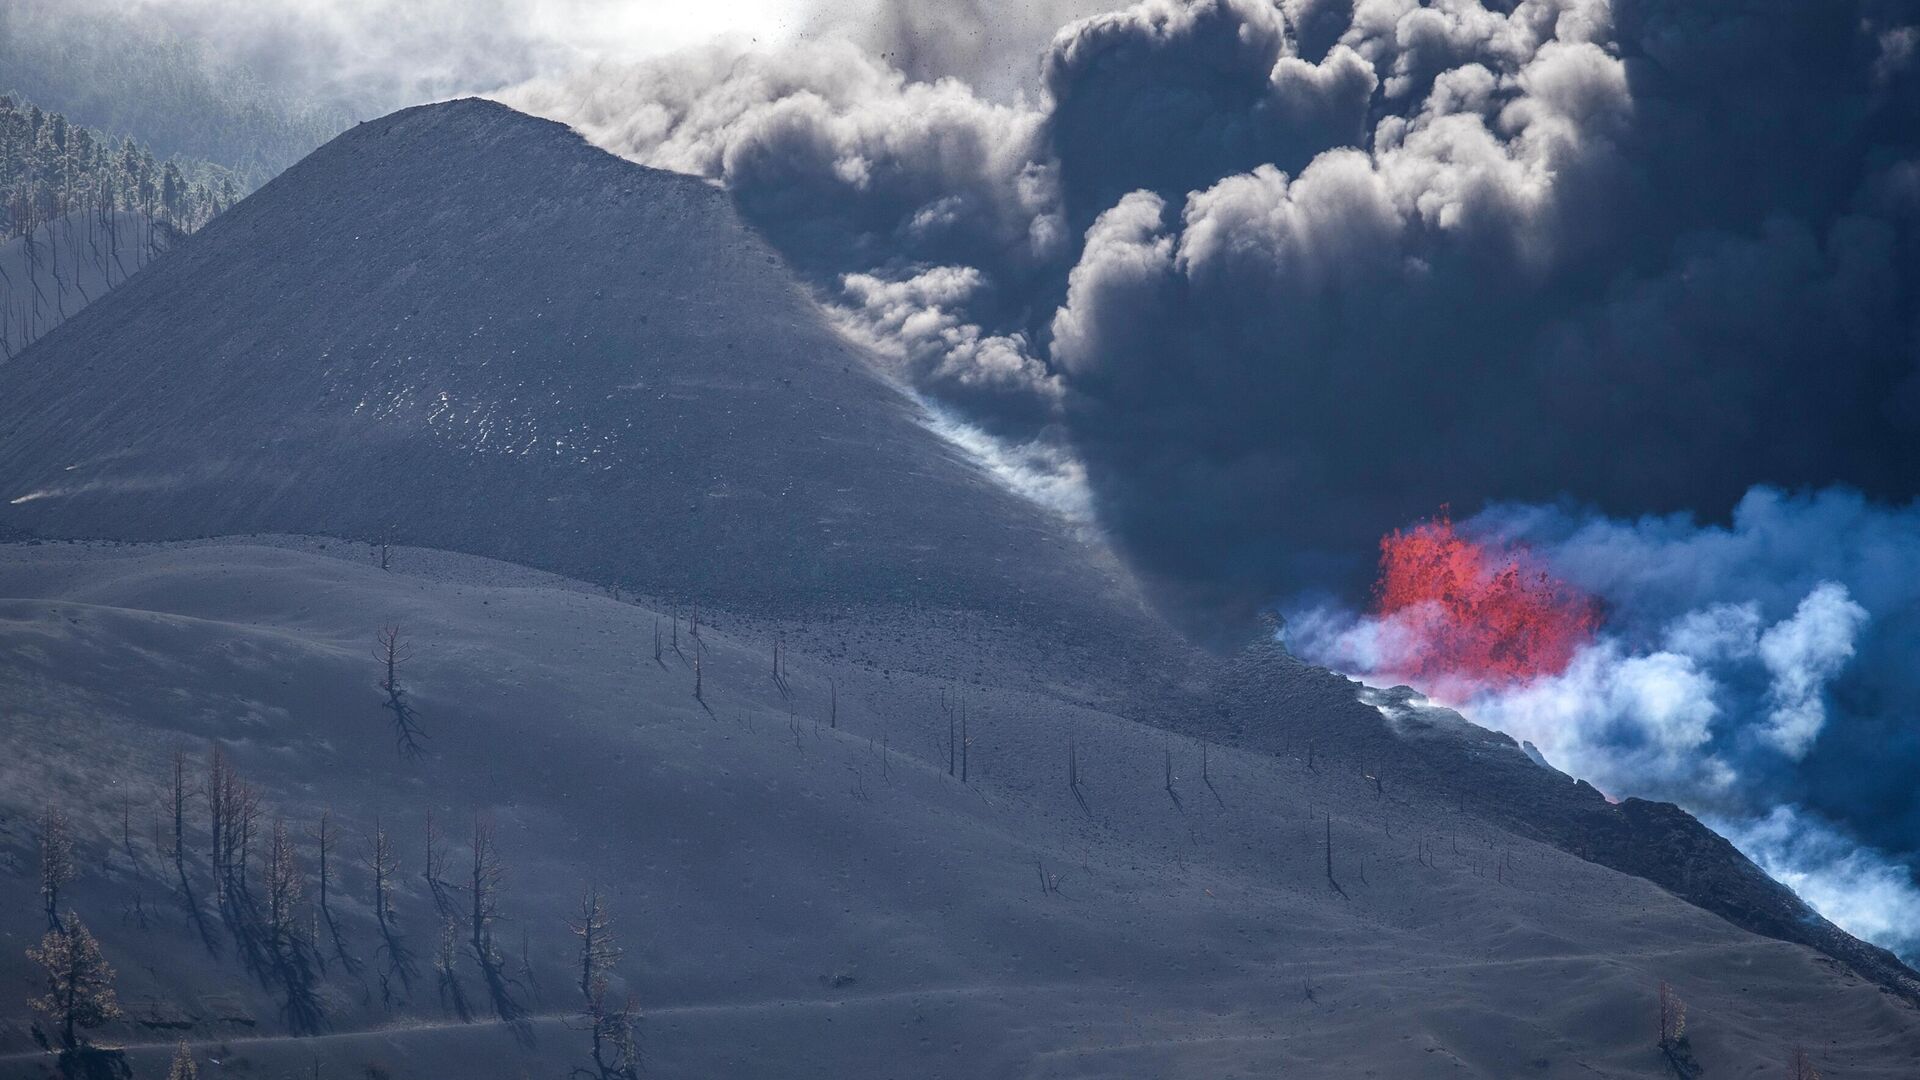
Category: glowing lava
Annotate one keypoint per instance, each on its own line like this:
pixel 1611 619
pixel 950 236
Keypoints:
pixel 1474 612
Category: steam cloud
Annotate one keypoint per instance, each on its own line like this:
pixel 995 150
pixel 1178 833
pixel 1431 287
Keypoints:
pixel 1759 673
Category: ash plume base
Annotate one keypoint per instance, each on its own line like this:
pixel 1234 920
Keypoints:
pixel 1750 672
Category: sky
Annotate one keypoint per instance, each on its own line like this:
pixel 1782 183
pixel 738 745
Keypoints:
pixel 372 56
pixel 1629 286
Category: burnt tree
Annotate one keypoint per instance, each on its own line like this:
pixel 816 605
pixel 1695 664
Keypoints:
pixel 78 980
pixel 598 949
pixel 283 884
pixel 484 875
pixel 56 862
pixel 393 652
pixel 176 806
pixel 435 869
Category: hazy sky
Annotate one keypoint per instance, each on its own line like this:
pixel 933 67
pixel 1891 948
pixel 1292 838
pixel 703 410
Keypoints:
pixel 373 55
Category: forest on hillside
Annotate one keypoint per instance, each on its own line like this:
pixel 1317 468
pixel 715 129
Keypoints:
pixel 117 71
pixel 81 211
pixel 51 167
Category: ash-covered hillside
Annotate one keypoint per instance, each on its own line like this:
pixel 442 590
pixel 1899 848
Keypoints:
pixel 65 264
pixel 462 327
pixel 808 872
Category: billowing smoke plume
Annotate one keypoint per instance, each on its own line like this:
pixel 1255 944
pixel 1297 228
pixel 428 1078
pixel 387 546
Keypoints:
pixel 1284 276
pixel 1279 278
pixel 993 45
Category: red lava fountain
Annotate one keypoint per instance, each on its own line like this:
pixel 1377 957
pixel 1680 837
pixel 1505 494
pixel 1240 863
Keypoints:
pixel 1476 613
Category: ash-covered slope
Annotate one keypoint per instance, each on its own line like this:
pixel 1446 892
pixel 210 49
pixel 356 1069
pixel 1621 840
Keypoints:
pixel 63 265
pixel 462 327
pixel 802 888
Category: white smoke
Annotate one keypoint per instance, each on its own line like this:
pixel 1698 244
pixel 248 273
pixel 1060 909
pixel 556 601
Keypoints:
pixel 1728 679
pixel 1802 654
pixel 371 56
pixel 1862 891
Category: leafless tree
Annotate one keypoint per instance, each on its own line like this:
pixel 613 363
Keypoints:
pixel 947 707
pixel 183 1063
pixel 176 807
pixel 1167 772
pixel 323 842
pixel 233 811
pixel 126 828
pixel 382 866
pixel 527 974
pixel 1206 777
pixel 325 838
pixel 393 652
pixel 483 889
pixel 435 869
pixel 615 1043
pixel 966 742
pixel 183 1067
pixel 1673 1041
pixel 1800 1066
pixel 243 817
pixel 284 886
pixel 1049 883
pixel 1331 880
pixel 218 785
pixel 1673 1016
pixel 616 1054
pixel 598 949
pixel 1073 775
pixel 445 961
pixel 78 979
pixel 56 861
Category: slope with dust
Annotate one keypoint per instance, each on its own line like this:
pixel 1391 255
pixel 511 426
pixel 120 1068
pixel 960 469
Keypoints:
pixel 803 888
pixel 464 328
pixel 63 265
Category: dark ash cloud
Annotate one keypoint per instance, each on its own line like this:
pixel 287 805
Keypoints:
pixel 1286 276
